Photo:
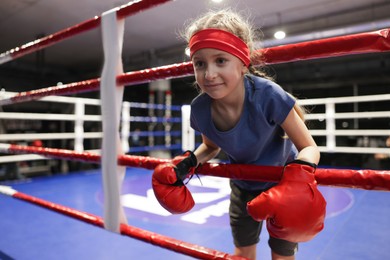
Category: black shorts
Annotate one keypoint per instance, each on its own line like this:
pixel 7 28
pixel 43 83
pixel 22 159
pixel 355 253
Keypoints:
pixel 245 230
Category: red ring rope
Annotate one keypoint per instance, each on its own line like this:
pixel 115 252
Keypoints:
pixel 378 41
pixel 361 179
pixel 369 42
pixel 172 244
pixel 123 11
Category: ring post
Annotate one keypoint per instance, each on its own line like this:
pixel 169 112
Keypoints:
pixel 111 100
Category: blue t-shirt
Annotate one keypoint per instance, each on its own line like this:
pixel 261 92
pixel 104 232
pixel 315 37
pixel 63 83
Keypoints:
pixel 257 138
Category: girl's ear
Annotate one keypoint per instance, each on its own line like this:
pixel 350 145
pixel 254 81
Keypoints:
pixel 244 70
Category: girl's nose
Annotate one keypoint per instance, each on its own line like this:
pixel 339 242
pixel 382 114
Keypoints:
pixel 210 73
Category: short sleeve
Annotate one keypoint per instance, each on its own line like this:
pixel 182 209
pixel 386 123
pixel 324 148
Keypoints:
pixel 278 103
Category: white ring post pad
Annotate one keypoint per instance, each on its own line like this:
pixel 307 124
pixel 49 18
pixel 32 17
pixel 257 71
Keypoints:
pixel 111 100
pixel 7 190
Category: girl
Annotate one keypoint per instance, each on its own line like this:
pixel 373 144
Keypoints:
pixel 246 115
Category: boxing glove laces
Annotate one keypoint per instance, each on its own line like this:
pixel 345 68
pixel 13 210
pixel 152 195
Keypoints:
pixel 168 185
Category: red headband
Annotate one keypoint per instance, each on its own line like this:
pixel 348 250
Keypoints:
pixel 221 40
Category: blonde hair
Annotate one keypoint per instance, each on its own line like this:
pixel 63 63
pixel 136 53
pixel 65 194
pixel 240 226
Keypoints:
pixel 234 23
pixel 231 21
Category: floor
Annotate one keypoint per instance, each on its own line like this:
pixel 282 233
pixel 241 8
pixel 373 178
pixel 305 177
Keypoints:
pixel 357 224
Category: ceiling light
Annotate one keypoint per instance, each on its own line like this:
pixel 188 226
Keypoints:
pixel 216 1
pixel 280 35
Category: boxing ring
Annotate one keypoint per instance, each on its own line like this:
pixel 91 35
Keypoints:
pixel 112 156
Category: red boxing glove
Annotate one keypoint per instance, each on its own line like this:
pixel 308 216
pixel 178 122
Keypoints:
pixel 295 208
pixel 168 186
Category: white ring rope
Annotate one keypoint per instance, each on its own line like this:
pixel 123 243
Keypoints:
pixel 188 135
pixel 48 136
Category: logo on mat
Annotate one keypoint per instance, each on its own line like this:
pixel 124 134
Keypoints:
pixel 211 196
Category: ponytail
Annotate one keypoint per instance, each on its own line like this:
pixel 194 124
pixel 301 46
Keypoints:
pixel 300 111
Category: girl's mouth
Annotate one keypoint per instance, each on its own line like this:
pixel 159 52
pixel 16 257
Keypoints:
pixel 212 85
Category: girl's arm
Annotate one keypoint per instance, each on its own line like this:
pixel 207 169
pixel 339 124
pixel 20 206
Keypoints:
pixel 298 133
pixel 206 151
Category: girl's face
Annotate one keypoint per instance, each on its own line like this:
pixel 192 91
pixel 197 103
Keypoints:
pixel 218 73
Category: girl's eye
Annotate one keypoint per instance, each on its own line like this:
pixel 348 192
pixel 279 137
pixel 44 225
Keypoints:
pixel 199 64
pixel 220 61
